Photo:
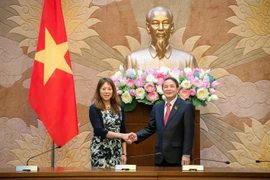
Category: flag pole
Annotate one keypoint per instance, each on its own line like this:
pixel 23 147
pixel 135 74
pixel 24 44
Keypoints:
pixel 52 155
pixel 52 78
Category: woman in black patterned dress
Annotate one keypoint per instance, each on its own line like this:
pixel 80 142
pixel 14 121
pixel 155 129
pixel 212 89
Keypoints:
pixel 108 147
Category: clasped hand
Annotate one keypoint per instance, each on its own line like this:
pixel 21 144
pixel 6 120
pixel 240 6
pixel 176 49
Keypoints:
pixel 130 137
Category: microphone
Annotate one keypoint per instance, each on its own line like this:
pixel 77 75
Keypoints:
pixel 259 161
pixel 128 167
pixel 41 154
pixel 33 168
pixel 204 159
pixel 143 155
pixel 200 167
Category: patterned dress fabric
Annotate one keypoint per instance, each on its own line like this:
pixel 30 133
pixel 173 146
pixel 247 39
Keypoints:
pixel 107 152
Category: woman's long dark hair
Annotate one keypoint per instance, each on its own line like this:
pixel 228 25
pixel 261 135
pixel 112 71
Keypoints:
pixel 114 101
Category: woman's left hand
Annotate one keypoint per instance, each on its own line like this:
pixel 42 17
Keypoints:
pixel 123 159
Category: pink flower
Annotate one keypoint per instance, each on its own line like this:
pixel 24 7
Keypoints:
pixel 190 75
pixel 132 92
pixel 197 82
pixel 130 71
pixel 149 87
pixel 152 96
pixel 215 84
pixel 160 81
pixel 176 71
pixel 144 75
pixel 212 91
pixel 160 76
pixel 139 82
pixel 181 73
pixel 114 78
pixel 197 70
pixel 184 94
pixel 150 71
pixel 116 83
pixel 129 82
pixel 119 92
pixel 206 83
pixel 192 92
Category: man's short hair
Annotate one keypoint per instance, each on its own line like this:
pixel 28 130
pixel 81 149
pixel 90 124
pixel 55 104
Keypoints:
pixel 173 79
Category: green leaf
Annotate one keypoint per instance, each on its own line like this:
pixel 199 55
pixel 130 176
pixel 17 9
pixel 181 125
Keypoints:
pixel 203 103
pixel 181 79
pixel 145 101
pixel 211 78
pixel 132 76
pixel 196 74
pixel 130 106
pixel 126 88
pixel 196 102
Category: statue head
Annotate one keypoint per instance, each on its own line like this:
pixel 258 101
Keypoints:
pixel 159 24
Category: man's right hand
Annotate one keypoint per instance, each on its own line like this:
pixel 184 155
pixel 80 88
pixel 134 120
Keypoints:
pixel 131 138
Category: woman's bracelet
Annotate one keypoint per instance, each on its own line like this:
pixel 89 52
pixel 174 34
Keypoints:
pixel 123 154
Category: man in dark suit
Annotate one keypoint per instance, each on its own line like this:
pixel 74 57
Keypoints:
pixel 173 123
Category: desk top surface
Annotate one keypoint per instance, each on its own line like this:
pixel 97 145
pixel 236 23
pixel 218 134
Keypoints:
pixel 142 171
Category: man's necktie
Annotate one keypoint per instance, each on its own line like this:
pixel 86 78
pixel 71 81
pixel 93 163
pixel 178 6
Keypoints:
pixel 168 110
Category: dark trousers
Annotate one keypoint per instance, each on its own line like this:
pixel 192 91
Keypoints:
pixel 165 163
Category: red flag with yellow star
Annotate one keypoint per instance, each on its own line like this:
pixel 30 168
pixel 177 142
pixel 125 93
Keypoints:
pixel 52 93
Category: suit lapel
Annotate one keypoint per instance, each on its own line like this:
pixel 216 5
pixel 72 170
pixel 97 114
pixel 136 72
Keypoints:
pixel 161 113
pixel 175 108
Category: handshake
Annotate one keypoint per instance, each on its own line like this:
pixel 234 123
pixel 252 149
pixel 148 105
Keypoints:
pixel 129 137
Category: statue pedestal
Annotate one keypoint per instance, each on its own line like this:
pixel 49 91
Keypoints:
pixel 138 119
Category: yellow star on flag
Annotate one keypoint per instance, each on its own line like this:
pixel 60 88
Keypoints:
pixel 53 57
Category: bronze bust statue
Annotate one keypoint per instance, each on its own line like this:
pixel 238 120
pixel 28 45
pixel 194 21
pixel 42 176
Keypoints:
pixel 159 24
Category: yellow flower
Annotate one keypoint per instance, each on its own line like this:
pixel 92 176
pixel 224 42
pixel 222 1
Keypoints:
pixel 202 93
pixel 186 84
pixel 140 93
pixel 126 97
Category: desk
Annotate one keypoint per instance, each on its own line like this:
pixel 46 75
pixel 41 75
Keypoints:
pixel 214 173
pixel 143 172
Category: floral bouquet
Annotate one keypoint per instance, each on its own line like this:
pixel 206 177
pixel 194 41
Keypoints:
pixel 145 86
